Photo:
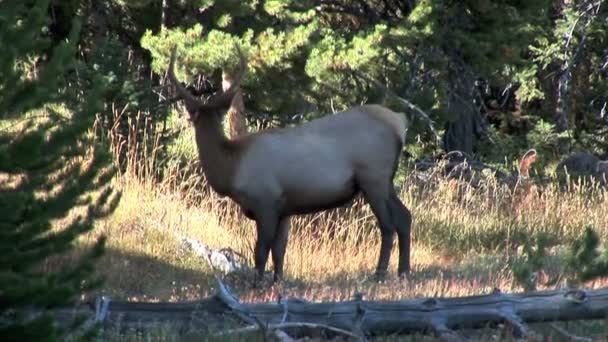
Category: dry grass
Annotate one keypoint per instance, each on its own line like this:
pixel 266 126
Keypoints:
pixel 464 240
pixel 460 247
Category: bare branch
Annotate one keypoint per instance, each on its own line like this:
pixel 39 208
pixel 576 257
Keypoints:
pixel 519 329
pixel 443 332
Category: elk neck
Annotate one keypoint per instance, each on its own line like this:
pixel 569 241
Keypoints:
pixel 218 155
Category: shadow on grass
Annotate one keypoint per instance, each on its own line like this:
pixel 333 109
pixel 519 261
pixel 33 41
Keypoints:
pixel 143 277
pixel 186 277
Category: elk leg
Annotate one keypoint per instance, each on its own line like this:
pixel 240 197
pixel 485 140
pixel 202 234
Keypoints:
pixel 379 203
pixel 279 244
pixel 266 227
pixel 402 219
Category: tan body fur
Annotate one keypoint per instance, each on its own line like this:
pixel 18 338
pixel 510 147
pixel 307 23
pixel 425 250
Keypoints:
pixel 315 164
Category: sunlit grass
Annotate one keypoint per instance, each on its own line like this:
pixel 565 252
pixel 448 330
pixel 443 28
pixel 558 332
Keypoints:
pixel 464 238
pixel 459 247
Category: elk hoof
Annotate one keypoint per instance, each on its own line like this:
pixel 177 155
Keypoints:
pixel 404 273
pixel 258 281
pixel 381 276
pixel 277 280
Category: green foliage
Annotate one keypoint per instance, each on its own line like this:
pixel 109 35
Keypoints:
pixel 52 175
pixel 312 53
pixel 585 260
pixel 305 58
pixel 18 92
pixel 574 47
pixel 131 111
pixel 526 269
pixel 500 145
pixel 529 90
pixel 546 140
pixel 267 51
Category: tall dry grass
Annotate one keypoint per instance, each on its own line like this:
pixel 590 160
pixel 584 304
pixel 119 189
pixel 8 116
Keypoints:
pixel 464 238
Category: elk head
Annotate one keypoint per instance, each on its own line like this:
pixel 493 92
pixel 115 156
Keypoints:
pixel 215 104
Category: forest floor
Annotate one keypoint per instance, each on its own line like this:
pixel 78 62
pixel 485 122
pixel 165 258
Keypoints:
pixel 464 243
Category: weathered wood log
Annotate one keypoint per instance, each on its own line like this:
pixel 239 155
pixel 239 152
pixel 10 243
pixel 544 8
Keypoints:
pixel 440 316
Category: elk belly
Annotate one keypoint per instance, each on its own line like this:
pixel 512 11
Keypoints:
pixel 305 198
pixel 305 175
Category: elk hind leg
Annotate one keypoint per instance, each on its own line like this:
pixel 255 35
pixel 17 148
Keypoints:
pixel 379 202
pixel 402 220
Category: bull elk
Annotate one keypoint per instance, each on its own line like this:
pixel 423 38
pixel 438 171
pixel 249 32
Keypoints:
pixel 318 165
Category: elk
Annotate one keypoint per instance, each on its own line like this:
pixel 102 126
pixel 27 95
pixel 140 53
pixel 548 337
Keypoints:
pixel 318 165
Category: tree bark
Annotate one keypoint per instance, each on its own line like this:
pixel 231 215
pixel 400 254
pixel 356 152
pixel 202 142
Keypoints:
pixel 563 98
pixel 164 11
pixel 464 126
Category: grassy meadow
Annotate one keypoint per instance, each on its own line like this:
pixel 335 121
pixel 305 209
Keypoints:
pixel 461 246
pixel 465 241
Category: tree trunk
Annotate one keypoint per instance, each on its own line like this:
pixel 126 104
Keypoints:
pixel 572 51
pixel 563 98
pixel 235 118
pixel 464 125
pixel 100 23
pixel 582 121
pixel 548 83
pixel 163 15
pixel 441 316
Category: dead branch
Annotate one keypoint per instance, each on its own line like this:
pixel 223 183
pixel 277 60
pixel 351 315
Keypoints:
pixel 440 316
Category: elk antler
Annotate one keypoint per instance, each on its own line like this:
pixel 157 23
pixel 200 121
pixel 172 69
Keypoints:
pixel 192 103
pixel 195 105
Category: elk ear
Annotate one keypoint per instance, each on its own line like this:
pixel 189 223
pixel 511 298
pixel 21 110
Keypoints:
pixel 224 99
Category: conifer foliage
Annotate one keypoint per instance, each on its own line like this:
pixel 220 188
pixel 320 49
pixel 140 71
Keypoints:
pixel 53 177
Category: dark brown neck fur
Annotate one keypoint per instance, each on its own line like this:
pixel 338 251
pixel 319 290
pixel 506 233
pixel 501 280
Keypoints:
pixel 218 155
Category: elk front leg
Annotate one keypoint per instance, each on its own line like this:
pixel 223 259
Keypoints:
pixel 279 245
pixel 266 228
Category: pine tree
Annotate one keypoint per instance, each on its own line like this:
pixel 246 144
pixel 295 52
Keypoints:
pixel 572 59
pixel 310 55
pixel 53 177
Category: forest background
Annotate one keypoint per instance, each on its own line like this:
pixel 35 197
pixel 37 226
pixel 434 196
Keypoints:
pixel 88 118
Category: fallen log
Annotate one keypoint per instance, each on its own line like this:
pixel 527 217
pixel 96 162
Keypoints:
pixel 441 316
